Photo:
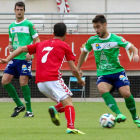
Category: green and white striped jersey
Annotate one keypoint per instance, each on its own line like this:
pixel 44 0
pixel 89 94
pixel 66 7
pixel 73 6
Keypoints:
pixel 106 52
pixel 21 34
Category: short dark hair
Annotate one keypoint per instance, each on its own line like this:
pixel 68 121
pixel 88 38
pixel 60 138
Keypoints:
pixel 99 18
pixel 21 4
pixel 59 29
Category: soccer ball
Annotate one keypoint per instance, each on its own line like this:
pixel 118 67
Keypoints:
pixel 107 120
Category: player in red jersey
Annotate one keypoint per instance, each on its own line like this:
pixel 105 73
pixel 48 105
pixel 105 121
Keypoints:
pixel 50 55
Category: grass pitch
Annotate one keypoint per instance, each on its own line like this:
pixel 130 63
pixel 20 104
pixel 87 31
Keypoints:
pixel 87 120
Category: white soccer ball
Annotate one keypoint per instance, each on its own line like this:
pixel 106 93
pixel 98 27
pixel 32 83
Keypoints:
pixel 107 120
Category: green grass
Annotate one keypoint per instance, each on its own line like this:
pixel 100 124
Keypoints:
pixel 87 120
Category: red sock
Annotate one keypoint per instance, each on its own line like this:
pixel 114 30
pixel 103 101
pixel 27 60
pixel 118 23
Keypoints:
pixel 59 107
pixel 70 116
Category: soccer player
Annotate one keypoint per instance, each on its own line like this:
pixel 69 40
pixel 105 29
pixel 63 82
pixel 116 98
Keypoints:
pixel 21 32
pixel 50 56
pixel 110 74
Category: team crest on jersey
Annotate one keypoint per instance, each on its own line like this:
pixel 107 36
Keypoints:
pixel 24 67
pixel 98 46
pixel 123 78
pixel 13 29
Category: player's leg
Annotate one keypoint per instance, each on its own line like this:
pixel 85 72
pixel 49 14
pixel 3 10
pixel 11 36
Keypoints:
pixel 104 84
pixel 59 107
pixel 58 91
pixel 6 79
pixel 8 75
pixel 130 103
pixel 24 70
pixel 43 88
pixel 63 94
pixel 122 84
pixel 27 95
pixel 70 116
pixel 104 89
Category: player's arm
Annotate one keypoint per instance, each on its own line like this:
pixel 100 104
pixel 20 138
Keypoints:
pixel 129 46
pixel 10 47
pixel 37 39
pixel 135 53
pixel 14 54
pixel 75 72
pixel 83 54
pixel 81 60
pixel 34 33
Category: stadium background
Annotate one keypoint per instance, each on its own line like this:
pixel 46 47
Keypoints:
pixel 48 9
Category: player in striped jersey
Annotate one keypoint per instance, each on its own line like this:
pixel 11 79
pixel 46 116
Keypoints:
pixel 110 73
pixel 21 32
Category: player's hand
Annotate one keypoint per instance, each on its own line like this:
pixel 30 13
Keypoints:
pixel 81 82
pixel 3 61
pixel 10 48
pixel 28 57
pixel 136 58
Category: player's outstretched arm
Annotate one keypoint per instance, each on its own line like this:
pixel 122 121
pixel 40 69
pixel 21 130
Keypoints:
pixel 135 53
pixel 81 60
pixel 14 54
pixel 75 73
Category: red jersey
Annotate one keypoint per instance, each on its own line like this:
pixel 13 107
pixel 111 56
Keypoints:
pixel 50 56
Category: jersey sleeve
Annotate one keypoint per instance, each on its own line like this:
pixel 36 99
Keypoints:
pixel 32 48
pixel 88 46
pixel 123 43
pixel 69 54
pixel 33 31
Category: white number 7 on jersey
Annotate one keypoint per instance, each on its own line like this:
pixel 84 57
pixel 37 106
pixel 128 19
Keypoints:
pixel 44 58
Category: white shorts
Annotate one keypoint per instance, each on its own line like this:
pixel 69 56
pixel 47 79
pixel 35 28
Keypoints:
pixel 55 90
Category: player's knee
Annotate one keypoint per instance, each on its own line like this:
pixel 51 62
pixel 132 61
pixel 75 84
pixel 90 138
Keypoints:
pixel 4 82
pixel 103 90
pixel 126 94
pixel 6 79
pixel 23 83
pixel 68 104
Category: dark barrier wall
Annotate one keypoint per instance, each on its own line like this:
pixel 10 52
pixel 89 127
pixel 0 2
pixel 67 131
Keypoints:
pixel 35 92
pixel 90 88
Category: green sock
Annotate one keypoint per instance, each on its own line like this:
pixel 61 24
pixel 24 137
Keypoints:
pixel 110 102
pixel 130 103
pixel 13 94
pixel 27 97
